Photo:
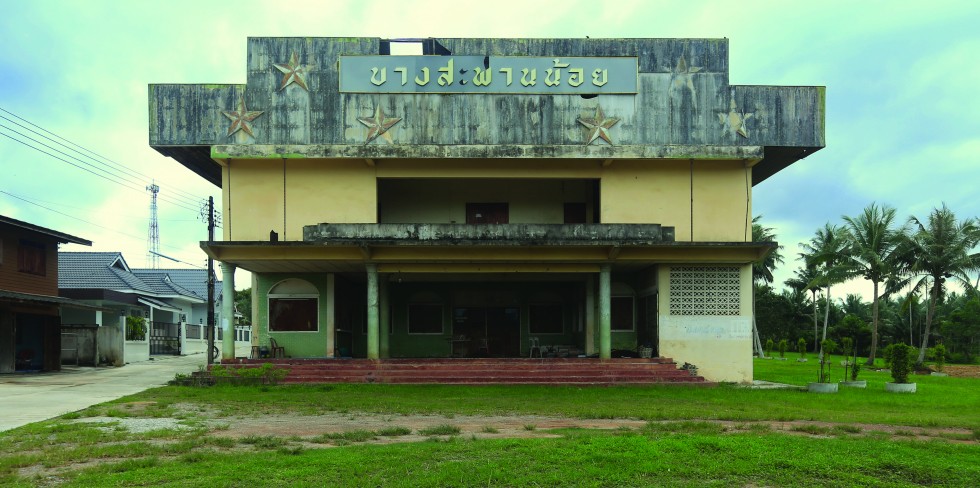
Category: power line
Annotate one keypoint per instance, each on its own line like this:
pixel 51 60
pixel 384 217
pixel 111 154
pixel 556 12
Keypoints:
pixel 108 170
pixel 107 177
pixel 82 220
pixel 187 195
pixel 94 209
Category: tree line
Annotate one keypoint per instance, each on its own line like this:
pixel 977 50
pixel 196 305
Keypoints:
pixel 910 265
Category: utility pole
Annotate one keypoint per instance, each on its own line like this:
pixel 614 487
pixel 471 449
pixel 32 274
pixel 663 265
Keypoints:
pixel 210 217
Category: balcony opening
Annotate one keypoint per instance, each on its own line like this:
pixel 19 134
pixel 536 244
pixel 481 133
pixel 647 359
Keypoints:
pixel 487 201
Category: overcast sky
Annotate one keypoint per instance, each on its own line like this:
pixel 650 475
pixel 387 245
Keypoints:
pixel 903 115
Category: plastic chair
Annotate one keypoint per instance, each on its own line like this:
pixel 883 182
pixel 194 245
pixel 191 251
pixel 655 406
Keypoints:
pixel 275 350
pixel 483 348
pixel 535 347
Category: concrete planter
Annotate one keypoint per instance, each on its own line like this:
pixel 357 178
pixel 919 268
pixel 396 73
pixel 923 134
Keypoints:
pixel 822 387
pixel 934 373
pixel 780 359
pixel 855 384
pixel 900 387
pixel 801 360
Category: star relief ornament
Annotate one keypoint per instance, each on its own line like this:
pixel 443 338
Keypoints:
pixel 734 121
pixel 293 73
pixel 241 119
pixel 598 126
pixel 378 125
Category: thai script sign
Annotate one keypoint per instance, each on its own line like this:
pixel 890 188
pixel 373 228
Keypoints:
pixel 487 74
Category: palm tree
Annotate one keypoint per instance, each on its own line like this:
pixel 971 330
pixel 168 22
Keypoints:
pixel 762 270
pixel 824 252
pixel 805 280
pixel 937 250
pixel 871 254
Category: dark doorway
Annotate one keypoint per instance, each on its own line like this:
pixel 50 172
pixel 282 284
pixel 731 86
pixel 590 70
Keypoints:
pixel 575 212
pixel 487 213
pixel 487 332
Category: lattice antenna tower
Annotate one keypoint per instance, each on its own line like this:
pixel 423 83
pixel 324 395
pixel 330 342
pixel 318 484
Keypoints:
pixel 153 234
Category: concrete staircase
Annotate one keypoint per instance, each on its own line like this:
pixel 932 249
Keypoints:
pixel 550 371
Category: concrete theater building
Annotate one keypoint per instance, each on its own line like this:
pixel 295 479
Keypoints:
pixel 497 198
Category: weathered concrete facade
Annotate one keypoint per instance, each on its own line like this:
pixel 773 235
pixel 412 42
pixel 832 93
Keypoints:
pixel 611 177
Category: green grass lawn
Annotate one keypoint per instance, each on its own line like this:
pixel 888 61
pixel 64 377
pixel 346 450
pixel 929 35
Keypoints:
pixel 692 448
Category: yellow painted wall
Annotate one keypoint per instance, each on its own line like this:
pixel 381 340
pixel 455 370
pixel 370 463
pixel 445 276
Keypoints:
pixel 328 191
pixel 658 192
pixel 444 200
pixel 720 346
pixel 272 194
pixel 254 199
pixel 722 201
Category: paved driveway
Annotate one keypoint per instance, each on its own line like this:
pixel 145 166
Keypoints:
pixel 27 398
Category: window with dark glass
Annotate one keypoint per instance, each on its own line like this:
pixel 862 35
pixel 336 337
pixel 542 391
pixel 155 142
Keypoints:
pixel 545 318
pixel 31 258
pixel 293 315
pixel 622 313
pixel 424 318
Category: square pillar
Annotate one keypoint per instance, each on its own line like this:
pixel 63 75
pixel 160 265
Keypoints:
pixel 227 312
pixel 605 311
pixel 385 321
pixel 373 326
pixel 331 316
pixel 590 312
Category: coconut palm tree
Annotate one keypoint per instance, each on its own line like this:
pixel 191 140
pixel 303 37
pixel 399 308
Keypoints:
pixel 872 241
pixel 824 252
pixel 762 270
pixel 805 280
pixel 934 251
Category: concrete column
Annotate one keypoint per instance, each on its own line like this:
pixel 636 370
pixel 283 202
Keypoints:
pixel 385 322
pixel 227 311
pixel 254 336
pixel 8 335
pixel 122 329
pixel 373 345
pixel 182 333
pixel 605 311
pixel 330 319
pixel 590 312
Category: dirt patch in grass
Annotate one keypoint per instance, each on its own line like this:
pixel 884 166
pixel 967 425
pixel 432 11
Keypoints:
pixel 305 428
pixel 962 370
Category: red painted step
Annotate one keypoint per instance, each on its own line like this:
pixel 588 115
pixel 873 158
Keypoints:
pixel 568 371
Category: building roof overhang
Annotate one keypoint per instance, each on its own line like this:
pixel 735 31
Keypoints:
pixel 60 236
pixel 32 299
pixel 490 257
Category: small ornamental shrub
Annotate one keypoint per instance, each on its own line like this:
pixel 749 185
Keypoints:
pixel 901 362
pixel 939 355
pixel 855 370
pixel 886 353
pixel 783 345
pixel 769 346
pixel 135 328
pixel 827 347
pixel 801 347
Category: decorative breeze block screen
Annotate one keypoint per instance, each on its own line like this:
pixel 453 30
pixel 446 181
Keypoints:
pixel 704 290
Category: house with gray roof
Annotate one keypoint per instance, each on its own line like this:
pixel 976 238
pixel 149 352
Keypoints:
pixel 172 302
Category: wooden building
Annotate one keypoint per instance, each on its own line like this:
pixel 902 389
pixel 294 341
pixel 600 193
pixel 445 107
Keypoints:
pixel 30 326
pixel 492 197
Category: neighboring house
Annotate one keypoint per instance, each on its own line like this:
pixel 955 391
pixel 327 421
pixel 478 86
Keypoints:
pixel 172 302
pixel 494 196
pixel 30 327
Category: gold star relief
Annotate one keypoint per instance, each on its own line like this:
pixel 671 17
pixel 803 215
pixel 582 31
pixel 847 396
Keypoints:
pixel 378 125
pixel 293 72
pixel 734 121
pixel 682 77
pixel 240 118
pixel 598 126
